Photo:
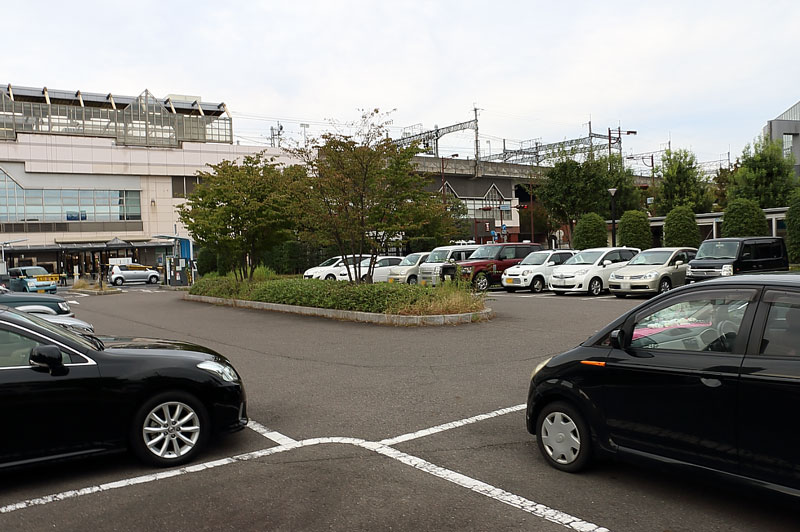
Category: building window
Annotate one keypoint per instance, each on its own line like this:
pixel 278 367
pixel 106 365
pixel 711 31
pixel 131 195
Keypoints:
pixel 182 186
pixel 50 205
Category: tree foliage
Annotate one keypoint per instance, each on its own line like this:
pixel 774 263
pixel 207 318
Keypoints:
pixel 793 228
pixel 361 193
pixel 680 228
pixel 681 184
pixel 634 230
pixel 765 176
pixel 590 232
pixel 744 217
pixel 238 211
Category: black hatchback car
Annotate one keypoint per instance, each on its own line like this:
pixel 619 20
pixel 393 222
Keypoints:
pixel 706 376
pixel 66 394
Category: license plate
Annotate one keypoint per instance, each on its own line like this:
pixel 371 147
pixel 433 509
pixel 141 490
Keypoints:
pixel 40 291
pixel 625 286
pixel 423 282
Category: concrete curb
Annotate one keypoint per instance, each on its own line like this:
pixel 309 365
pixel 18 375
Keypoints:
pixel 348 315
pixel 96 292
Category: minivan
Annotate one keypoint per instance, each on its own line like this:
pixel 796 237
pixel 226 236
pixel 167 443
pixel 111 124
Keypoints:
pixel 718 257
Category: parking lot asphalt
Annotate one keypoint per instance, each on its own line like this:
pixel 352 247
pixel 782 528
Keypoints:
pixel 365 427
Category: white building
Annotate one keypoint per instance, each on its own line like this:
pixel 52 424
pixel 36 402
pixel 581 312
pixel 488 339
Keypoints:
pixel 87 176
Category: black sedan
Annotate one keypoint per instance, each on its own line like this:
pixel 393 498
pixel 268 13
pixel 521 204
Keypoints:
pixel 706 377
pixel 66 394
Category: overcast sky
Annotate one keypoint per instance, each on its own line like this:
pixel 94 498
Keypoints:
pixel 706 75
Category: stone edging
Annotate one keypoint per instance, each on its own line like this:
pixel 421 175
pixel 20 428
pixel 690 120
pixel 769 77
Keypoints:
pixel 91 292
pixel 349 315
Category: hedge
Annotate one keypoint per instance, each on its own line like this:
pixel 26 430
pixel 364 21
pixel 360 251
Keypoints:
pixel 793 229
pixel 590 232
pixel 680 228
pixel 744 217
pixel 634 230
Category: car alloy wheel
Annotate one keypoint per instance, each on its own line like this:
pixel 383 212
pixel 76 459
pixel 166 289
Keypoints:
pixel 412 279
pixel 664 286
pixel 482 282
pixel 169 429
pixel 595 286
pixel 563 437
pixel 153 279
pixel 537 285
pixel 330 277
pixel 118 281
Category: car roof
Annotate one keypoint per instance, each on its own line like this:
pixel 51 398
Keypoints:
pixel 668 249
pixel 789 279
pixel 610 248
pixel 741 238
pixel 459 246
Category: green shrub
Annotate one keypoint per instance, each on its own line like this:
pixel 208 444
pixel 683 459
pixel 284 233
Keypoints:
pixel 379 298
pixel 680 228
pixel 634 230
pixel 744 217
pixel 793 229
pixel 590 232
pixel 206 261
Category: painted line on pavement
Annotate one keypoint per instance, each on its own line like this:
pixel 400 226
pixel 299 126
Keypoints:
pixel 451 425
pixel 526 505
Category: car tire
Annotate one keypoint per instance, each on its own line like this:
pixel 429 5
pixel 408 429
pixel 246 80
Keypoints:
pixel 556 292
pixel 118 281
pixel 537 285
pixel 664 285
pixel 412 279
pixel 330 277
pixel 595 286
pixel 510 290
pixel 481 282
pixel 563 437
pixel 153 279
pixel 169 429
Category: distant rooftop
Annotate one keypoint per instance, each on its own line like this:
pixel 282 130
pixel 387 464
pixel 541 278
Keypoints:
pixel 793 113
pixel 142 120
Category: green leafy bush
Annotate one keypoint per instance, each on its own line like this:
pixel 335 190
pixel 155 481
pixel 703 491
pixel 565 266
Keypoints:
pixel 590 232
pixel 450 298
pixel 793 229
pixel 680 228
pixel 634 230
pixel 744 217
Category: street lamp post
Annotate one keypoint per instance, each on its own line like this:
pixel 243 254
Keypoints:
pixel 613 192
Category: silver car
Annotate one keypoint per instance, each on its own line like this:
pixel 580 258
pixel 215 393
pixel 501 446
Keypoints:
pixel 126 273
pixel 408 270
pixel 652 271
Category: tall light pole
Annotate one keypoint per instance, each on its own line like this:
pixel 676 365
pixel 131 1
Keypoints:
pixel 613 192
pixel 305 139
pixel 444 195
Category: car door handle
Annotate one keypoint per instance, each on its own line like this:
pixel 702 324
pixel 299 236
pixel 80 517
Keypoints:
pixel 711 383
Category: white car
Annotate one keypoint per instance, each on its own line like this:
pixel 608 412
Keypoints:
pixel 589 270
pixel 533 273
pixel 328 269
pixel 380 272
pixel 408 270
pixel 430 271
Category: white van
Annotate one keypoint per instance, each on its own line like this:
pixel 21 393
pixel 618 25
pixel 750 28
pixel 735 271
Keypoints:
pixel 430 271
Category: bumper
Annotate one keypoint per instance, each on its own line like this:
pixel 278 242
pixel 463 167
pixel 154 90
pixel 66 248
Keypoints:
pixel 635 286
pixel 575 284
pixel 427 279
pixel 229 409
pixel 49 288
pixel 516 282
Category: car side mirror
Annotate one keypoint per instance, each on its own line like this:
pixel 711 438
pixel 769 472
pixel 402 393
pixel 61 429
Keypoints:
pixel 617 338
pixel 678 263
pixel 551 263
pixel 47 356
pixel 606 262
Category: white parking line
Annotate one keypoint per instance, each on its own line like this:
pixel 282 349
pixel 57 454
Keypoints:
pixel 73 302
pixel 477 486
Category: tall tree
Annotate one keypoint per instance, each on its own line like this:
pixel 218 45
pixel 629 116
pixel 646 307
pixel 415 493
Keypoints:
pixel 765 176
pixel 681 184
pixel 238 211
pixel 361 191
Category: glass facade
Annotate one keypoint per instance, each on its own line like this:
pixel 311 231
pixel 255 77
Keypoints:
pixel 793 113
pixel 66 205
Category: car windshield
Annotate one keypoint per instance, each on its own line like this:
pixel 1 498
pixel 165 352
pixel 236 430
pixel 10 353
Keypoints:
pixel 352 260
pixel 718 250
pixel 486 252
pixel 535 258
pixel 584 257
pixel 438 255
pixel 330 262
pixel 57 330
pixel 650 258
pixel 410 260
pixel 37 270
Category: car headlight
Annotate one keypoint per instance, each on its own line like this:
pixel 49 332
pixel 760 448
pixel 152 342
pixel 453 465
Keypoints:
pixel 223 371
pixel 466 269
pixel 649 276
pixel 612 276
pixel 582 272
pixel 31 282
pixel 727 269
pixel 63 305
pixel 526 272
pixel 540 365
pixel 688 270
pixel 437 270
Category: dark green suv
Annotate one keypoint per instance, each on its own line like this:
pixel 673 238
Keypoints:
pixel 39 303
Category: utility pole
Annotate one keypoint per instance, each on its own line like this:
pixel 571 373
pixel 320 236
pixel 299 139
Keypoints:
pixel 477 142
